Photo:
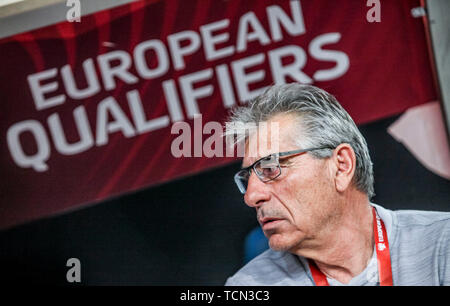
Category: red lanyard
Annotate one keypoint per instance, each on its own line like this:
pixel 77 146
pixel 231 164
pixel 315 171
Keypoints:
pixel 383 256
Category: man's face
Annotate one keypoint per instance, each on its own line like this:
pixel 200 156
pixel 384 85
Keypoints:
pixel 297 206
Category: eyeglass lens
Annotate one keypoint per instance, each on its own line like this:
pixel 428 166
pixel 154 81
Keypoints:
pixel 266 169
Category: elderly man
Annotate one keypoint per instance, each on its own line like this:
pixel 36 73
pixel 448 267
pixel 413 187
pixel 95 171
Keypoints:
pixel 312 200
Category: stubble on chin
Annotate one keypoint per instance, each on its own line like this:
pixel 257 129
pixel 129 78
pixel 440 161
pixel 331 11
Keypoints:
pixel 283 242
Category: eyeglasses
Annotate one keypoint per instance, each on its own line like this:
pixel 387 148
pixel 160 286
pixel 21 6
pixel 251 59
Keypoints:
pixel 267 168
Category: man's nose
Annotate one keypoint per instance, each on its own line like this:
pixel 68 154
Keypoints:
pixel 257 191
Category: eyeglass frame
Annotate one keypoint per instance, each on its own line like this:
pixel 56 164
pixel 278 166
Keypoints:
pixel 278 155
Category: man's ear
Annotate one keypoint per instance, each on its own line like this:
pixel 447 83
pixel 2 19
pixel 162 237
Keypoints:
pixel 344 160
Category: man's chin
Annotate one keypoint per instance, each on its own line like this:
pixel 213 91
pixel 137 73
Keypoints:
pixel 278 243
pixel 285 242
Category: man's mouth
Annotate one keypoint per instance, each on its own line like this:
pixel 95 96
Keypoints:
pixel 269 222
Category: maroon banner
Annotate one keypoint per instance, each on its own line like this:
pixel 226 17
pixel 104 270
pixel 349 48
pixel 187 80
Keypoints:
pixel 87 109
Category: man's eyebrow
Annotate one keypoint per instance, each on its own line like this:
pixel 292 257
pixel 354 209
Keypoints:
pixel 242 164
pixel 256 159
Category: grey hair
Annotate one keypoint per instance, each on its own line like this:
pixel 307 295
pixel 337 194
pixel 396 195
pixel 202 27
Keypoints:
pixel 322 119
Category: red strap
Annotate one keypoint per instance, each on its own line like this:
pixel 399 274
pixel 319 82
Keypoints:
pixel 319 278
pixel 383 256
pixel 382 248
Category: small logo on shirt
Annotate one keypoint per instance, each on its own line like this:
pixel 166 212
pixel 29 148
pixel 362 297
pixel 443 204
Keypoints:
pixel 381 246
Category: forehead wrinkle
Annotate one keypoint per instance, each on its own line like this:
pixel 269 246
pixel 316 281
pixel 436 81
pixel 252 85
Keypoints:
pixel 286 124
pixel 254 156
pixel 262 137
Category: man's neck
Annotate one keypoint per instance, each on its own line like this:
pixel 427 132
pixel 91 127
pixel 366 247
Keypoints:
pixel 345 249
